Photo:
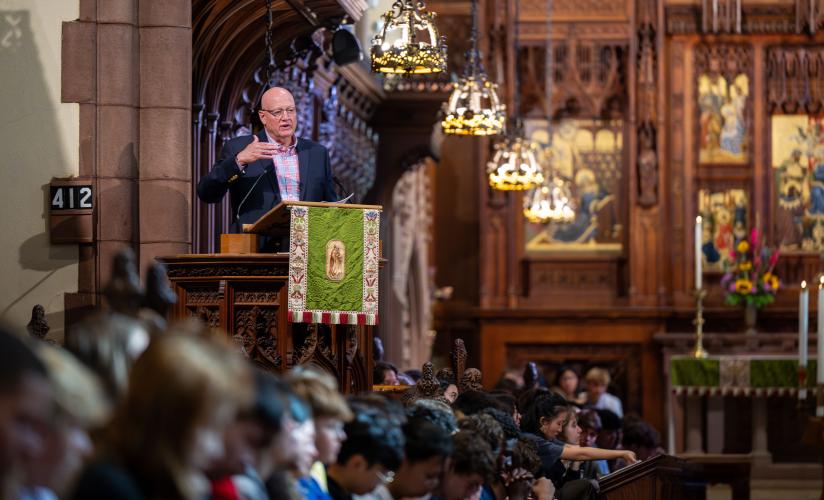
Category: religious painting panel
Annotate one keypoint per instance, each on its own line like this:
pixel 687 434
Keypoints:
pixel 584 159
pixel 723 124
pixel 798 181
pixel 725 216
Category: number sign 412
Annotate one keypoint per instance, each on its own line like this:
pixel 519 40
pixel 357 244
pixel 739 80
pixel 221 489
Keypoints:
pixel 71 197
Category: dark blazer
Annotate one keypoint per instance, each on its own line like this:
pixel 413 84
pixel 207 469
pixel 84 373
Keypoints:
pixel 316 182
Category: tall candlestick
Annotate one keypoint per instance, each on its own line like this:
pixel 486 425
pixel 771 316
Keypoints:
pixel 819 410
pixel 698 252
pixel 803 327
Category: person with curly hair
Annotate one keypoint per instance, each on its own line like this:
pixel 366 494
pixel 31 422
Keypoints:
pixel 472 464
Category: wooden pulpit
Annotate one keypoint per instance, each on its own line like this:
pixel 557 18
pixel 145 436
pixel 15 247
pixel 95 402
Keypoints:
pixel 246 295
pixel 659 478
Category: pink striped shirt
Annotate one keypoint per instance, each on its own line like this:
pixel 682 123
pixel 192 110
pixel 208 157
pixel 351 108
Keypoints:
pixel 287 170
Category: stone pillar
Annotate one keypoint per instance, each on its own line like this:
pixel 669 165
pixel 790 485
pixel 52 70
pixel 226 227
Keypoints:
pixel 715 424
pixel 129 65
pixel 99 71
pixel 694 424
pixel 760 453
pixel 165 175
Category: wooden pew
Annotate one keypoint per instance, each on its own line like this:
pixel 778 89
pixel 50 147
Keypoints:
pixel 660 478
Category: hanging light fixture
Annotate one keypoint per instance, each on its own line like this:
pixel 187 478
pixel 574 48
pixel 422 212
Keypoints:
pixel 550 200
pixel 473 107
pixel 399 47
pixel 514 166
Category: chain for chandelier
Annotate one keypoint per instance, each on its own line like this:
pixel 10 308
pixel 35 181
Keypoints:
pixel 551 200
pixel 271 66
pixel 398 47
pixel 514 166
pixel 473 107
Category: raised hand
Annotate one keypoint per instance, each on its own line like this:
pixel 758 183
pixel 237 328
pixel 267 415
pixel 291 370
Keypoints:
pixel 256 150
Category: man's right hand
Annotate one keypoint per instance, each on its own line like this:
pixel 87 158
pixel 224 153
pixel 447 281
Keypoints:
pixel 255 151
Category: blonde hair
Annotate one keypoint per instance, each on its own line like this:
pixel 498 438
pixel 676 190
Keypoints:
pixel 598 376
pixel 320 391
pixel 78 392
pixel 179 384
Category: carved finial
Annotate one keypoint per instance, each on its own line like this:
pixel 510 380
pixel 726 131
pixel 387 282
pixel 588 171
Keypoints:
pixel 427 387
pixel 471 380
pixel 123 292
pixel 458 356
pixel 38 327
pixel 445 375
pixel 159 295
pixel 530 376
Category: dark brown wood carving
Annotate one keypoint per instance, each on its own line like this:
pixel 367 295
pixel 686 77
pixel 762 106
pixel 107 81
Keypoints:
pixel 242 295
pixel 795 79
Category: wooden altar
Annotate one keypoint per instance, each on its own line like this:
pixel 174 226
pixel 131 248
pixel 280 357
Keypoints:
pixel 245 295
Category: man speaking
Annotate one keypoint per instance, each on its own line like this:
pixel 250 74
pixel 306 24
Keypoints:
pixel 262 170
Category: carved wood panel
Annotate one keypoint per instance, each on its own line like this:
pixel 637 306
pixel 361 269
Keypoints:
pixel 795 79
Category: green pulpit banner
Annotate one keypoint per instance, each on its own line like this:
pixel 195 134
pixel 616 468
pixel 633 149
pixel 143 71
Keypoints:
pixel 739 375
pixel 333 265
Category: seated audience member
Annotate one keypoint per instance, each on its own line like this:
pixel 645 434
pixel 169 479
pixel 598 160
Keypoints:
pixel 427 449
pixel 371 454
pixel 106 351
pixel 643 439
pixel 597 381
pixel 566 384
pixel 610 435
pixel 544 421
pixel 472 402
pixel 449 390
pixel 472 464
pixel 436 412
pixel 248 441
pixel 571 434
pixel 183 393
pixel 26 409
pixel 518 472
pixel 293 449
pixel 385 374
pixel 330 413
pixel 526 398
pixel 508 400
pixel 81 406
pixel 487 428
pixel 590 424
pixel 508 425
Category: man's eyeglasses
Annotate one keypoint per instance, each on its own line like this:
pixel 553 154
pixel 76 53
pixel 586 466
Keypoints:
pixel 277 113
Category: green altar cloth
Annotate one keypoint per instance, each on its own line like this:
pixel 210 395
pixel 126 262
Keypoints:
pixel 741 375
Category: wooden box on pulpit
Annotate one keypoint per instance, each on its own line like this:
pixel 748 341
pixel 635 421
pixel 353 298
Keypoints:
pixel 659 478
pixel 247 295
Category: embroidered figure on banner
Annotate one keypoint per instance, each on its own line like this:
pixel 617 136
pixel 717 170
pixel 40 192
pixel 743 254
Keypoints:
pixel 335 258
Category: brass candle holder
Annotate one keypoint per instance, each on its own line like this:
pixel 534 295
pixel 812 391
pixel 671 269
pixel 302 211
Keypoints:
pixel 699 352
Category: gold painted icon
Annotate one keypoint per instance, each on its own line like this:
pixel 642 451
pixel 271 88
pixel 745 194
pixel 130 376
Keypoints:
pixel 335 258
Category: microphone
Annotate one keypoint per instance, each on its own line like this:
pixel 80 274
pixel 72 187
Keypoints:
pixel 240 205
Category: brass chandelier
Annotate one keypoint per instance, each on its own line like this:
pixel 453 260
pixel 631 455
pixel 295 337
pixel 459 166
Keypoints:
pixel 473 107
pixel 549 202
pixel 400 48
pixel 514 166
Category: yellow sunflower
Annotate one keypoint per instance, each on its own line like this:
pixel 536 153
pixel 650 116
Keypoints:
pixel 743 286
pixel 743 246
pixel 745 266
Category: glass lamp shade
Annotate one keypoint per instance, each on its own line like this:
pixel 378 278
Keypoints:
pixel 549 202
pixel 473 108
pixel 514 166
pixel 408 43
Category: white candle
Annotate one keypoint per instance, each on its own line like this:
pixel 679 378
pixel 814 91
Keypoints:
pixel 803 315
pixel 698 252
pixel 819 411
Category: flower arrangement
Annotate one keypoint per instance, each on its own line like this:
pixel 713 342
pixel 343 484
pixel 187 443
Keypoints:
pixel 750 278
